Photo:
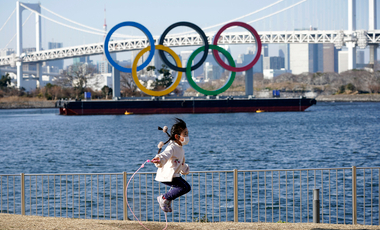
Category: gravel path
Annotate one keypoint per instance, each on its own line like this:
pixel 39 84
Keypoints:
pixel 11 221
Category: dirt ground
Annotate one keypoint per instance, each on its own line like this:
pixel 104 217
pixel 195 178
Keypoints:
pixel 11 221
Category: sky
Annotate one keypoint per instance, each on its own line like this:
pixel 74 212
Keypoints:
pixel 158 15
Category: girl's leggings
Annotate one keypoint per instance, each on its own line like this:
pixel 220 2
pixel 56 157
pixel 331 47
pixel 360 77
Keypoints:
pixel 178 186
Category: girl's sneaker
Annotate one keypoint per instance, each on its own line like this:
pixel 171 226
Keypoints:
pixel 170 206
pixel 164 204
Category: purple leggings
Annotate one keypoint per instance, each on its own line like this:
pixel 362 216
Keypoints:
pixel 178 188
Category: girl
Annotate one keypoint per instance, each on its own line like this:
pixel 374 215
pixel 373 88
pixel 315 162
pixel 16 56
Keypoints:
pixel 171 163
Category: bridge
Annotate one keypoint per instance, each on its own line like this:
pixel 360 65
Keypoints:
pixel 351 38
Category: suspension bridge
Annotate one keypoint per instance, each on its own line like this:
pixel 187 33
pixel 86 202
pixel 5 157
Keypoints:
pixel 350 38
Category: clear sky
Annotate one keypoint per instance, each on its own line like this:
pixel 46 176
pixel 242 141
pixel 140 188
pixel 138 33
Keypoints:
pixel 158 15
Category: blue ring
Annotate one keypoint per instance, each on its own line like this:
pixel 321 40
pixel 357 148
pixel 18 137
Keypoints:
pixel 138 26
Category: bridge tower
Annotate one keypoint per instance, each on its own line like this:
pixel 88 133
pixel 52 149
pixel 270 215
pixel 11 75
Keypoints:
pixel 19 9
pixel 351 38
pixel 371 27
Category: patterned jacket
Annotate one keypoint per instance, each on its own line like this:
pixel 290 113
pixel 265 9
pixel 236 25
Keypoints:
pixel 172 163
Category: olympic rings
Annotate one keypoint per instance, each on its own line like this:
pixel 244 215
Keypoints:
pixel 200 32
pixel 138 26
pixel 151 92
pixel 215 49
pixel 258 53
pixel 199 89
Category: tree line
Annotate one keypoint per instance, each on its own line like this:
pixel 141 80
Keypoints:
pixel 79 78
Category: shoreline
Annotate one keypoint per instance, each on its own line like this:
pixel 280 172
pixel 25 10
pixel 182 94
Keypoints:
pixel 349 98
pixel 16 221
pixel 43 104
pixel 27 104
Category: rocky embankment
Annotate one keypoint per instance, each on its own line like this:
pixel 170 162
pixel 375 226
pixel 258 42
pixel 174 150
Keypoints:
pixel 26 104
pixel 350 98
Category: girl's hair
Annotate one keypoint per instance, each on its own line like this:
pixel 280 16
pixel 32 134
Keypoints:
pixel 177 128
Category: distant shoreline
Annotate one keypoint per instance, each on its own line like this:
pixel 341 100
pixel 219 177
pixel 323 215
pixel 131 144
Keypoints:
pixel 349 98
pixel 27 104
pixel 38 104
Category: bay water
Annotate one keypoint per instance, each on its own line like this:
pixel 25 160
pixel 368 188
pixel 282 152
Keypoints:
pixel 325 135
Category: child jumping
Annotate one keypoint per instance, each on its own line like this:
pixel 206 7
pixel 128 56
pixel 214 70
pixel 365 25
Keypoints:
pixel 171 163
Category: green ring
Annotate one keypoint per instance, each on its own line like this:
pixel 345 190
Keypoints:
pixel 190 78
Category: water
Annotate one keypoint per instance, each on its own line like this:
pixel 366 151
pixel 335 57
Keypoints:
pixel 326 135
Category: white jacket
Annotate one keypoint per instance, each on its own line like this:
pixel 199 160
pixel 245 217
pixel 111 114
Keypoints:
pixel 172 163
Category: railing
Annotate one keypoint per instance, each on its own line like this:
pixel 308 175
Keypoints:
pixel 347 196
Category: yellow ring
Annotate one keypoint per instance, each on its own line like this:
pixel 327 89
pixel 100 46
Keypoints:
pixel 151 92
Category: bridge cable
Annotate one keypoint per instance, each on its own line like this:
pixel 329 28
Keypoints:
pixel 238 18
pixel 72 27
pixel 16 33
pixel 8 19
pixel 102 31
pixel 269 15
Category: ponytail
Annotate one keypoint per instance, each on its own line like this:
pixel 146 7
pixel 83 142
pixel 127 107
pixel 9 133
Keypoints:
pixel 177 128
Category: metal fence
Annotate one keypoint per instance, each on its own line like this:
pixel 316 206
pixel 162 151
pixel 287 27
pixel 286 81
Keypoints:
pixel 347 195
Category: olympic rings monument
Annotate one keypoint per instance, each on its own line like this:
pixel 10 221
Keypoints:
pixel 178 67
pixel 173 105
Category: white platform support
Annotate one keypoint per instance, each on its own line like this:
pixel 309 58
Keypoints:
pixel 351 41
pixel 115 83
pixel 372 15
pixel 249 82
pixel 38 43
pixel 372 27
pixel 19 10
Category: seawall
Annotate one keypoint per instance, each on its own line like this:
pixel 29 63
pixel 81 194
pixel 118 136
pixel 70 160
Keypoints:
pixel 350 98
pixel 26 104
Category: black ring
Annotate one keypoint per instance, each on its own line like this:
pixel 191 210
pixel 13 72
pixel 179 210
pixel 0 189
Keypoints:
pixel 199 31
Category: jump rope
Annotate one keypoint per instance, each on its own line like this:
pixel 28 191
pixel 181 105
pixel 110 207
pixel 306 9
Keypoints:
pixel 160 145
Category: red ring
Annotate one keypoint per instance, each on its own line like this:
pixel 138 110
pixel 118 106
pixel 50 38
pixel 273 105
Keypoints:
pixel 258 53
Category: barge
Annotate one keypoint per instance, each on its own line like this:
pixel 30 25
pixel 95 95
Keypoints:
pixel 162 105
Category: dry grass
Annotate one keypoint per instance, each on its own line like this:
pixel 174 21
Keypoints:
pixel 20 99
pixel 11 221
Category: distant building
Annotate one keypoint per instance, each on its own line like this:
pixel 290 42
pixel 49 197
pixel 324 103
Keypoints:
pixel 84 59
pixel 57 63
pixel 245 59
pixel 272 73
pixel 306 58
pixel 343 61
pixel 29 50
pixel 211 72
pixel 360 59
pixel 330 58
pixel 6 52
pixel 185 55
pixel 157 61
pixel 273 63
pixel 265 50
pixel 318 58
pixel 29 84
pixel 284 52
pixel 102 66
pixel 141 59
pixel 29 66
pixel 125 63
